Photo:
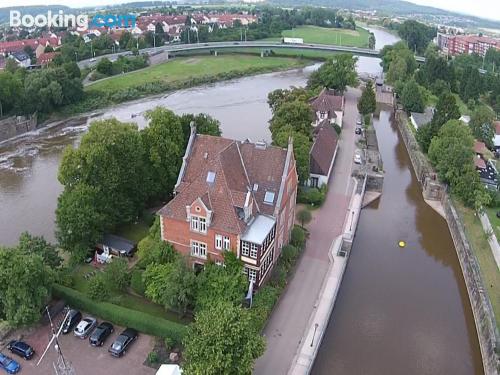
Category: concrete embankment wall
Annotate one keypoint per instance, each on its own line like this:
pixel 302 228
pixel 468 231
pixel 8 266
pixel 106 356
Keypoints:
pixel 13 126
pixel 484 318
pixel 339 256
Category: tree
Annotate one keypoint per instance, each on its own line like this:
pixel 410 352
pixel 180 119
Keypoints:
pixel 31 245
pixel 411 97
pixel 104 66
pixel 25 286
pixel 116 274
pixel 205 124
pixel 416 34
pixel 279 96
pixel 304 216
pixel 223 340
pixel 155 251
pixel 335 74
pixel 295 115
pixel 163 140
pixel 10 92
pixel 221 283
pixel 98 288
pixel 446 110
pixel 367 103
pixel 301 149
pixel 397 70
pixel 481 124
pixel 173 284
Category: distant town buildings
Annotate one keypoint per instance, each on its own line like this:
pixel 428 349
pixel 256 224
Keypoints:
pixel 453 45
pixel 232 196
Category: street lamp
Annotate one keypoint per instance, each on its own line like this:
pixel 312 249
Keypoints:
pixel 314 333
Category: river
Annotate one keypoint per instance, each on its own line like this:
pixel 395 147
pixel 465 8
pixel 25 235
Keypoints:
pixel 399 311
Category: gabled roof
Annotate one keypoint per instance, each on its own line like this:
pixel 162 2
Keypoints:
pixel 323 148
pixel 479 163
pixel 424 118
pixel 221 172
pixel 327 101
pixel 479 147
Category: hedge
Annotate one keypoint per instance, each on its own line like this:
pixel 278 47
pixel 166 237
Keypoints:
pixel 121 315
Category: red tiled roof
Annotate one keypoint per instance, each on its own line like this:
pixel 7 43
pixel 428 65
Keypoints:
pixel 237 167
pixel 479 147
pixel 479 163
pixel 46 57
pixel 323 149
pixel 327 101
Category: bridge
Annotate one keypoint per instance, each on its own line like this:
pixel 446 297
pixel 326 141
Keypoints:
pixel 263 45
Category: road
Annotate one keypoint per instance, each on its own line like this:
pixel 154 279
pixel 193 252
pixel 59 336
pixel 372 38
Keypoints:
pixel 224 45
pixel 289 319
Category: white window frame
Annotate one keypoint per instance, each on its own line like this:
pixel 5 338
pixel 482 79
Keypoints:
pixel 198 224
pixel 245 248
pixel 218 241
pixel 252 275
pixel 199 249
pixel 226 243
pixel 254 250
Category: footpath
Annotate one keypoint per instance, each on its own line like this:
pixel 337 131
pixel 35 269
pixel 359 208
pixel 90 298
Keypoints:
pixel 286 326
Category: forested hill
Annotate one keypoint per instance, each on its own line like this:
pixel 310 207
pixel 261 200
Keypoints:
pixel 33 10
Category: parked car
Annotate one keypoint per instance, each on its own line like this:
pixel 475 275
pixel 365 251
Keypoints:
pixel 72 320
pixel 119 346
pixel 359 121
pixel 100 334
pixel 357 157
pixel 357 131
pixel 85 327
pixel 9 365
pixel 21 349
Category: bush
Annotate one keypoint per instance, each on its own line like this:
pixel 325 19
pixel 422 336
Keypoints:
pixel 278 278
pixel 263 304
pixel 312 196
pixel 98 289
pixel 169 344
pixel 152 357
pixel 122 316
pixel 136 282
pixel 289 255
pixel 298 237
pixel 367 119
pixel 337 128
pixel 116 274
pixel 304 216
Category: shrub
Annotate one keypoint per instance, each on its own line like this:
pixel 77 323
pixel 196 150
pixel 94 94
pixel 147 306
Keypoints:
pixel 263 304
pixel 298 238
pixel 304 216
pixel 121 316
pixel 367 119
pixel 169 343
pixel 289 255
pixel 312 196
pixel 152 357
pixel 116 274
pixel 337 128
pixel 136 282
pixel 98 289
pixel 278 278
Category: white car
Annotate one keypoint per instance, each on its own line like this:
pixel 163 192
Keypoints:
pixel 359 122
pixel 85 327
pixel 357 157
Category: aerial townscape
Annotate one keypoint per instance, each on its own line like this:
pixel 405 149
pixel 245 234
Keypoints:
pixel 250 187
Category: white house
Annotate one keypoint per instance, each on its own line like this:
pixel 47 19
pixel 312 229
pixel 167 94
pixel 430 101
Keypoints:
pixel 21 58
pixel 328 106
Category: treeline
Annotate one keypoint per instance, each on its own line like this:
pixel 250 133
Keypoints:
pixel 448 142
pixel 45 90
pixel 107 68
pixel 117 170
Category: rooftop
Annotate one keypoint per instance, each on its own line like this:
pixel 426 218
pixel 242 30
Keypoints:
pixel 327 101
pixel 258 229
pixel 424 118
pixel 323 148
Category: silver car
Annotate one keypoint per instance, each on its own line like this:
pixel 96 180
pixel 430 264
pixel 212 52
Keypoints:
pixel 85 327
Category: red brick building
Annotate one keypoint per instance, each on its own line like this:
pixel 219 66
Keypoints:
pixel 458 44
pixel 232 196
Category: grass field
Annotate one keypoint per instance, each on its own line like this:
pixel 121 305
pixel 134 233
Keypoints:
pixel 185 68
pixel 323 35
pixel 479 242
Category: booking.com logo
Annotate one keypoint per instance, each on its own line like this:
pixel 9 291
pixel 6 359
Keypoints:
pixel 80 21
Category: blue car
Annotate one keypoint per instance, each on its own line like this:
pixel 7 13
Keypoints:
pixel 9 365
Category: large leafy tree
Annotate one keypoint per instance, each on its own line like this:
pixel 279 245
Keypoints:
pixel 25 285
pixel 481 124
pixel 367 103
pixel 301 148
pixel 416 34
pixel 31 245
pixel 205 124
pixel 412 98
pixel 280 96
pixel 223 340
pixel 335 74
pixel 172 285
pixel 446 110
pixel 10 92
pixel 216 283
pixel 163 140
pixel 296 115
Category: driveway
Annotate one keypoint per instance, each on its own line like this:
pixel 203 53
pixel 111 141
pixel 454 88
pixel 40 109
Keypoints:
pixel 85 358
pixel 287 324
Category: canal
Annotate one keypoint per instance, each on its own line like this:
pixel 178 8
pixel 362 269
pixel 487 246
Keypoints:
pixel 399 311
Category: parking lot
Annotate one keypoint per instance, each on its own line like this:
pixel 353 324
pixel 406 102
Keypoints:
pixel 86 359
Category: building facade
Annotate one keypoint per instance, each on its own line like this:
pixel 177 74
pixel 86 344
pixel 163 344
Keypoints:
pixel 328 106
pixel 453 45
pixel 232 196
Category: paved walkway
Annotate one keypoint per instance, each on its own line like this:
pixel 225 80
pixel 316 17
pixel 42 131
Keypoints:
pixel 290 317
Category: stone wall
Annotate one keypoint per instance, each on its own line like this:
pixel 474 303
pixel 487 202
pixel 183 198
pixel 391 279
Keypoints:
pixel 484 318
pixel 16 125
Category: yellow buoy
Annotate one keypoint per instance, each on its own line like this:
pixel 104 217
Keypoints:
pixel 402 244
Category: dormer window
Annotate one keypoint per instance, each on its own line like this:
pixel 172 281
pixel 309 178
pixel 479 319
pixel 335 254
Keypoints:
pixel 198 224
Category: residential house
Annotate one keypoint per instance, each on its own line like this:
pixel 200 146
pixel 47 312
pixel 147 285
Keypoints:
pixel 232 196
pixel 46 58
pixel 496 137
pixel 322 154
pixel 420 119
pixel 469 44
pixel 21 58
pixel 486 169
pixel 328 106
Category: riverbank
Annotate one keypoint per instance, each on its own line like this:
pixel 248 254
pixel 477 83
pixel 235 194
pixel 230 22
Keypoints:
pixel 179 73
pixel 467 251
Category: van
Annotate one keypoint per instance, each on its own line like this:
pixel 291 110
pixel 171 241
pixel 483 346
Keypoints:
pixel 71 321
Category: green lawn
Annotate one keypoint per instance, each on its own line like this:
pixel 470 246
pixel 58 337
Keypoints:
pixel 323 35
pixel 494 220
pixel 185 68
pixel 125 299
pixel 135 232
pixel 479 242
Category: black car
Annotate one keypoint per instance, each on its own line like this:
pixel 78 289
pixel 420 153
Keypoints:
pixel 21 349
pixel 119 346
pixel 71 321
pixel 101 333
pixel 357 131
